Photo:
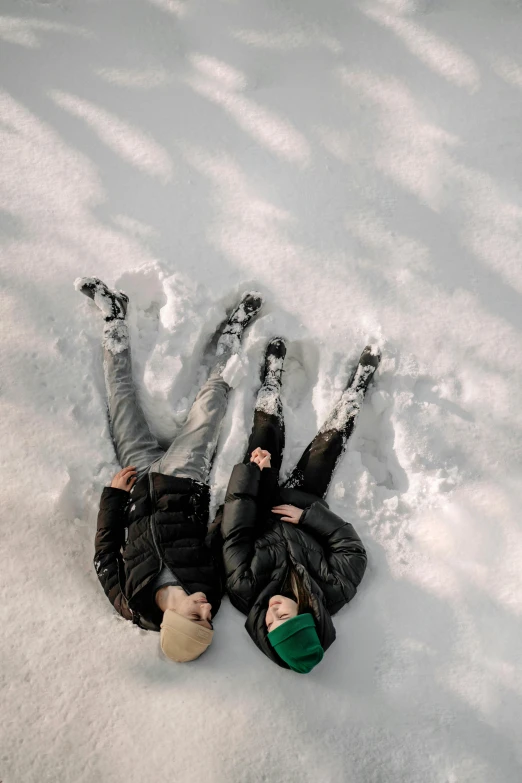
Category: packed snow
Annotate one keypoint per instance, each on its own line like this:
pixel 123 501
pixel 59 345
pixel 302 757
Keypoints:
pixel 360 165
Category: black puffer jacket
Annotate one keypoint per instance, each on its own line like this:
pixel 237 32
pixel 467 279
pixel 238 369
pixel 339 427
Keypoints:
pixel 259 549
pixel 163 521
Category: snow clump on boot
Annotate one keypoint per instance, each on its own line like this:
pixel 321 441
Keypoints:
pixel 113 304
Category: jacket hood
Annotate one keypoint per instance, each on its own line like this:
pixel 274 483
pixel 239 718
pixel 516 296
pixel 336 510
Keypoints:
pixel 256 626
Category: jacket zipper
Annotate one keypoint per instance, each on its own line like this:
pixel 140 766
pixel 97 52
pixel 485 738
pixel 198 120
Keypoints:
pixel 152 526
pixel 153 533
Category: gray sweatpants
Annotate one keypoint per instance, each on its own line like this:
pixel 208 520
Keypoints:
pixel 192 450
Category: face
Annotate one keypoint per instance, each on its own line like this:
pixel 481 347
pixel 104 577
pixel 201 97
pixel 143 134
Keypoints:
pixel 195 607
pixel 279 610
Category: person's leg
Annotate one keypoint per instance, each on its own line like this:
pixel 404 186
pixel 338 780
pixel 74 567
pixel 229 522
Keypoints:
pixel 268 433
pixel 268 430
pixel 314 470
pixel 193 448
pixel 133 442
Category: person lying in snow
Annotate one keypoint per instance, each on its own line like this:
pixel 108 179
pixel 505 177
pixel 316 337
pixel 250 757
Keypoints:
pixel 155 560
pixel 290 562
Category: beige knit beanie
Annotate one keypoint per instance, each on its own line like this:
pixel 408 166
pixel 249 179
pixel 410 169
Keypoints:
pixel 182 639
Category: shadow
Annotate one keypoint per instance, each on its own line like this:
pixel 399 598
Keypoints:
pixel 424 392
pixel 11 226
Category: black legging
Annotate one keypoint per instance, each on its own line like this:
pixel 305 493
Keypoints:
pixel 314 470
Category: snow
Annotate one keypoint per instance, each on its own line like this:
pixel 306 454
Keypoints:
pixel 234 371
pixel 116 336
pixel 360 165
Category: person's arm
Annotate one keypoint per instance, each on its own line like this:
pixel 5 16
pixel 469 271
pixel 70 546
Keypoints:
pixel 344 551
pixel 239 533
pixel 110 533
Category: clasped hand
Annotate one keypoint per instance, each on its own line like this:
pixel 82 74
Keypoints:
pixel 261 458
pixel 288 513
pixel 125 479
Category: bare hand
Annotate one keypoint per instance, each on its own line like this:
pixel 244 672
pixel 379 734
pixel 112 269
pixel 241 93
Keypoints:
pixel 261 457
pixel 125 479
pixel 288 513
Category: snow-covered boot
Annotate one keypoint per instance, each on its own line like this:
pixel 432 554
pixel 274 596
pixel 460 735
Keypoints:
pixel 274 358
pixel 113 304
pixel 269 395
pixel 243 314
pixel 364 371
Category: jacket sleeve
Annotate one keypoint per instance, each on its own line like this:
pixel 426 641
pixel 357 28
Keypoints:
pixel 109 540
pixel 344 551
pixel 239 534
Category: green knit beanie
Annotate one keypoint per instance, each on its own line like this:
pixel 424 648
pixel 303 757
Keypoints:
pixel 297 643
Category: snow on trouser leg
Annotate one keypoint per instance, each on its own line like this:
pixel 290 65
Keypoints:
pixel 314 470
pixel 342 418
pixel 269 395
pixel 115 336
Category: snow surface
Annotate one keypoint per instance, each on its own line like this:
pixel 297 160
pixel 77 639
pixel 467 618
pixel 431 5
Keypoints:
pixel 359 164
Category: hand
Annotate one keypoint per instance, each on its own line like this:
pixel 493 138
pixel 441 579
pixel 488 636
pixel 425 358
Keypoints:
pixel 261 457
pixel 125 479
pixel 288 513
